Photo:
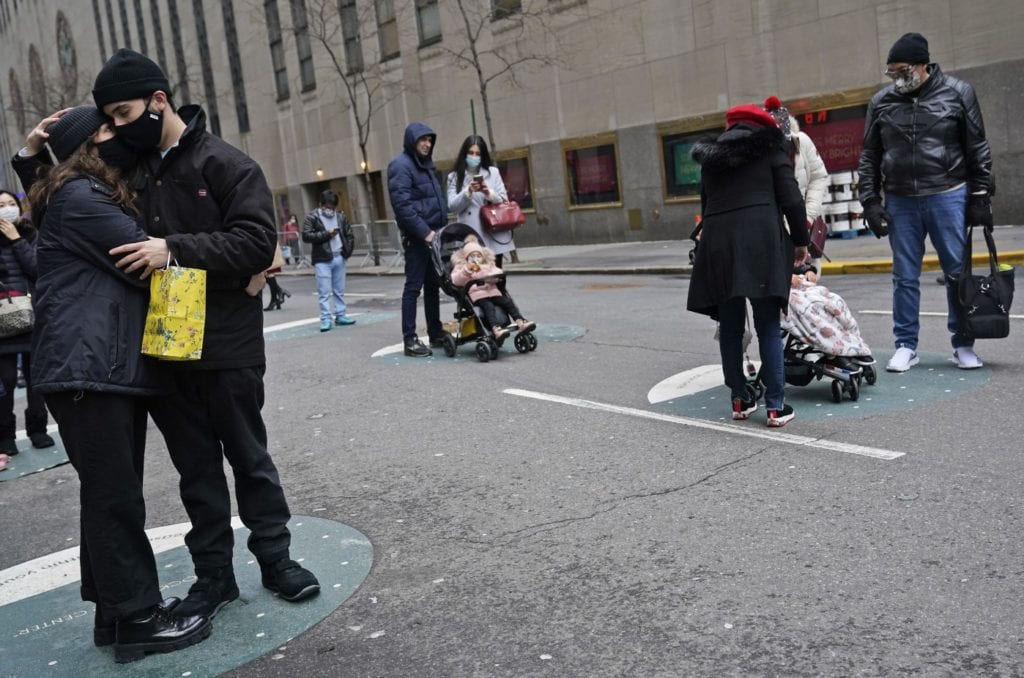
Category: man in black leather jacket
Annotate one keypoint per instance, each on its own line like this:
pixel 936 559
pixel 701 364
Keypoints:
pixel 925 147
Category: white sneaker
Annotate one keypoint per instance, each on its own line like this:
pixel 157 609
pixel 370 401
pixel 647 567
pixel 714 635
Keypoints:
pixel 902 360
pixel 966 359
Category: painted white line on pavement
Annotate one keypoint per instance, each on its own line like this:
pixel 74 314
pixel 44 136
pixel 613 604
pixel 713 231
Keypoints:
pixel 297 323
pixel 934 314
pixel 774 436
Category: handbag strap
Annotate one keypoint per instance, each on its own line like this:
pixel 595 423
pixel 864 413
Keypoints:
pixel 993 255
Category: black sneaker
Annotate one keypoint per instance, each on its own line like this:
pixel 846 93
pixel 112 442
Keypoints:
pixel 208 595
pixel 41 440
pixel 437 342
pixel 416 349
pixel 157 630
pixel 104 631
pixel 289 580
pixel 779 418
pixel 743 408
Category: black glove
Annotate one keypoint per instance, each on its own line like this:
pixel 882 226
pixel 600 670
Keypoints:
pixel 979 211
pixel 874 215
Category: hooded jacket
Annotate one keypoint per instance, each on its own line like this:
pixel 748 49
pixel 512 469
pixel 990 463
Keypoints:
pixel 747 185
pixel 419 203
pixel 90 314
pixel 924 142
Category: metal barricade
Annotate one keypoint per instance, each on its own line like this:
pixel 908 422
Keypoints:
pixel 386 240
pixel 362 247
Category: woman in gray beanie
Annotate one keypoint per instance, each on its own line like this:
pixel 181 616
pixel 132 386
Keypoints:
pixel 87 364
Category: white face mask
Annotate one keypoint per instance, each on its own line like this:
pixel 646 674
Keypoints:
pixel 908 84
pixel 327 212
pixel 10 212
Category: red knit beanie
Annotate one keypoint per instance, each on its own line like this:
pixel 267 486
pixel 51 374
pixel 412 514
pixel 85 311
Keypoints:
pixel 749 113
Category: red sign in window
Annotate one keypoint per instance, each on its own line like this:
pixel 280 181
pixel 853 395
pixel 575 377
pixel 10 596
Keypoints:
pixel 839 142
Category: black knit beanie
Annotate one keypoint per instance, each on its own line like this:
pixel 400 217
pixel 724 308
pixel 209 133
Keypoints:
pixel 128 75
pixel 911 48
pixel 72 129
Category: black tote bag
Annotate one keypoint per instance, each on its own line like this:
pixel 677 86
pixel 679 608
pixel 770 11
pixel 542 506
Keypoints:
pixel 983 301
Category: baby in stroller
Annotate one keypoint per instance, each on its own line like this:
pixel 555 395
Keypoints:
pixel 822 338
pixel 475 263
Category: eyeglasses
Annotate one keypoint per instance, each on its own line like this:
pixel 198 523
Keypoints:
pixel 898 73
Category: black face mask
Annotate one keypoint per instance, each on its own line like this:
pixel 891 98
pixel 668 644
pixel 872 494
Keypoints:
pixel 143 133
pixel 116 153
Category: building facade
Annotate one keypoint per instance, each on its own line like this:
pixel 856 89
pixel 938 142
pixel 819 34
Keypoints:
pixel 591 106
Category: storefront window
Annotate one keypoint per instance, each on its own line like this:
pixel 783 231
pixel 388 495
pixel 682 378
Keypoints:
pixel 682 173
pixel 515 172
pixel 838 134
pixel 592 173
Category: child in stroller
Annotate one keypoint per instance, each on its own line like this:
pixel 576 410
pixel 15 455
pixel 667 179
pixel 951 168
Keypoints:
pixel 486 312
pixel 822 339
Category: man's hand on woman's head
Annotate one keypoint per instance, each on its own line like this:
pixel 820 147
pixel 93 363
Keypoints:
pixel 36 139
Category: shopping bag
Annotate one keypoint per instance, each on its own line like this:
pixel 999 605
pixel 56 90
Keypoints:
pixel 176 319
pixel 504 216
pixel 983 302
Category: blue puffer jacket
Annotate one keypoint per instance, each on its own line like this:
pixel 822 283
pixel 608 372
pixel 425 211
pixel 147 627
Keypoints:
pixel 419 202
pixel 89 313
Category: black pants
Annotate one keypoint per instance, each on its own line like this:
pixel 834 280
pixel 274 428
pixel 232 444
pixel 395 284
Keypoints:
pixel 35 409
pixel 215 414
pixel 105 438
pixel 420 275
pixel 492 315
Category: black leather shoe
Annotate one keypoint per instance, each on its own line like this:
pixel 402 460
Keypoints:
pixel 41 440
pixel 104 632
pixel 437 342
pixel 157 630
pixel 208 595
pixel 416 349
pixel 289 580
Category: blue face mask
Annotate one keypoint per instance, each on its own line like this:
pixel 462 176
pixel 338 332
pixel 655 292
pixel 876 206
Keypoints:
pixel 472 161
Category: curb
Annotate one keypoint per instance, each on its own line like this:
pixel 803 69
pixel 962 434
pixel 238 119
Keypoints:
pixel 930 263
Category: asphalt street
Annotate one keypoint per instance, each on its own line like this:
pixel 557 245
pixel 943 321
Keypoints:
pixel 537 515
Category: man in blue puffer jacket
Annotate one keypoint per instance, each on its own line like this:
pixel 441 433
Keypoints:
pixel 421 208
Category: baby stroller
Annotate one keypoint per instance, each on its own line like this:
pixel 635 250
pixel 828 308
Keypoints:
pixel 804 363
pixel 468 317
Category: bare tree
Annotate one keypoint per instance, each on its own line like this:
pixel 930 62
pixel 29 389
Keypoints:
pixel 492 59
pixel 52 96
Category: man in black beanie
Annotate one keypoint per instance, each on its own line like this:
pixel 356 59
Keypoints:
pixel 925 147
pixel 207 205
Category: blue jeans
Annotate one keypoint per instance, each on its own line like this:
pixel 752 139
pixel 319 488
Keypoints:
pixel 941 218
pixel 732 317
pixel 330 282
pixel 420 275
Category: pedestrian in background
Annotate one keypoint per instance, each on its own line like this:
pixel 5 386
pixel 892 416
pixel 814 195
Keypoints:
pixel 925 147
pixel 421 209
pixel 745 252
pixel 17 278
pixel 327 229
pixel 474 183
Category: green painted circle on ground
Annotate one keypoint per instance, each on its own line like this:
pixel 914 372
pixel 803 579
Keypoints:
pixel 553 334
pixel 935 378
pixel 29 460
pixel 51 633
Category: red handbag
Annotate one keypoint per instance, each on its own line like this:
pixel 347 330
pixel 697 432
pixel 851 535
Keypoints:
pixel 819 234
pixel 505 216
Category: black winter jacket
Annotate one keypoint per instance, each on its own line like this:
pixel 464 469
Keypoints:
pixel 18 273
pixel 419 202
pixel 89 313
pixel 925 142
pixel 315 232
pixel 747 184
pixel 212 204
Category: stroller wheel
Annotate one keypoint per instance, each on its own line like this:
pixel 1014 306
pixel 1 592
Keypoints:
pixel 483 351
pixel 521 343
pixel 493 345
pixel 532 341
pixel 870 375
pixel 837 391
pixel 449 345
pixel 854 389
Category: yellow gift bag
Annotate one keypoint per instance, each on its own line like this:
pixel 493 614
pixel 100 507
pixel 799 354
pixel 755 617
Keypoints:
pixel 177 314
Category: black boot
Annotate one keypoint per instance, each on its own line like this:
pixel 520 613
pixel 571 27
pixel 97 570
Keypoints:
pixel 104 630
pixel 157 630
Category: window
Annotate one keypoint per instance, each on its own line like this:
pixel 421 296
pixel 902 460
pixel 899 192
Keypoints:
pixel 505 8
pixel 140 26
pixel 387 29
pixel 66 54
pixel 181 91
pixel 124 24
pixel 838 134
pixel 276 49
pixel 514 166
pixel 305 50
pixel 682 173
pixel 212 111
pixel 99 28
pixel 350 35
pixel 158 35
pixel 592 172
pixel 235 65
pixel 428 19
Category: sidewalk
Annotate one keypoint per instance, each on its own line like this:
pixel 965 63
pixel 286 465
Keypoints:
pixel 861 254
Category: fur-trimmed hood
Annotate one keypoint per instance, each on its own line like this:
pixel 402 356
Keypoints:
pixel 737 146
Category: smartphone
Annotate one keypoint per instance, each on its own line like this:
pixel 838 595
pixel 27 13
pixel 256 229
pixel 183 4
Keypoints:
pixel 479 178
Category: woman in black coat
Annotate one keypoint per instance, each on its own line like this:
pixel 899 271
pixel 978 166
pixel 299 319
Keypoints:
pixel 745 252
pixel 17 277
pixel 86 355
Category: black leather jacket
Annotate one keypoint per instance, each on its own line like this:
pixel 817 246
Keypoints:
pixel 925 142
pixel 314 232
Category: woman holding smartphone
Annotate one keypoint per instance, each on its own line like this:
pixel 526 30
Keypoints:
pixel 475 182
